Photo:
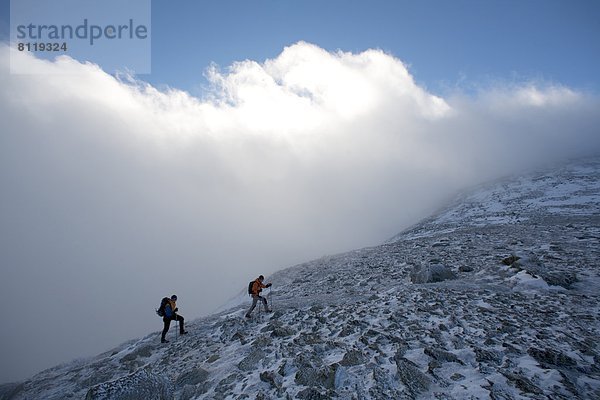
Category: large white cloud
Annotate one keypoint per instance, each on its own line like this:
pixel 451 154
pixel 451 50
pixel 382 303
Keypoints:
pixel 115 193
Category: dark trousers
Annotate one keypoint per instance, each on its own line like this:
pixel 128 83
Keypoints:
pixel 167 322
pixel 256 299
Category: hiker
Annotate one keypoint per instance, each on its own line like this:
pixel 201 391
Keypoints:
pixel 170 314
pixel 256 288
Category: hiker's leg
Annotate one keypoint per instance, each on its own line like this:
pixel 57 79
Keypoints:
pixel 254 301
pixel 167 324
pixel 180 319
pixel 264 300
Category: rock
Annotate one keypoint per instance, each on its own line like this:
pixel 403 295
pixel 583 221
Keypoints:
pixel 231 330
pixel 307 359
pixel 278 331
pixel 239 336
pixel 311 394
pixel 352 357
pixel 316 309
pixel 442 355
pixel 431 274
pixel 569 384
pixel 441 273
pixel 224 387
pixel 321 377
pixel 285 368
pixel 193 377
pixel 508 327
pixel 563 279
pixel 401 349
pixel 432 365
pixel 282 332
pixel 411 376
pixel 488 356
pixel 308 339
pixel 385 386
pixel 250 362
pixel 510 260
pixel 549 358
pixel 96 377
pixel 212 358
pixel 347 330
pixel 465 268
pixel 10 390
pixel 522 383
pixel 142 384
pixel 143 351
pixel 457 377
pixel 274 379
pixel 188 392
pixel 262 341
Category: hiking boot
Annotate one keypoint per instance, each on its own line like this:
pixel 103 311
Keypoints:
pixel 183 332
pixel 164 341
pixel 247 316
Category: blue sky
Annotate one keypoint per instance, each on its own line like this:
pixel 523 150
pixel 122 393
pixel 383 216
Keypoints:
pixel 445 43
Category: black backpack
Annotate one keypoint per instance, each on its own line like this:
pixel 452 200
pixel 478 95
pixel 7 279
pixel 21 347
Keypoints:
pixel 161 310
pixel 250 287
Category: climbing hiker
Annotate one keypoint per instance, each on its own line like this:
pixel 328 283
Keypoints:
pixel 254 289
pixel 170 314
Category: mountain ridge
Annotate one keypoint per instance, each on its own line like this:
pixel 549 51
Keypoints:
pixel 495 296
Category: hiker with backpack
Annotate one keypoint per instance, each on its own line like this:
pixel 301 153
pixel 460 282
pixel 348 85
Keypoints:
pixel 168 310
pixel 254 289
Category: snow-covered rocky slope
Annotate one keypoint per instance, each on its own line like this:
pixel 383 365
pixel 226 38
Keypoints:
pixel 496 297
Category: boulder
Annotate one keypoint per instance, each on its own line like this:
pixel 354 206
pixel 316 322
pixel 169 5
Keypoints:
pixel 442 355
pixel 194 376
pixel 352 357
pixel 410 375
pixel 510 260
pixel 140 352
pixel 142 384
pixel 488 356
pixel 549 358
pixel 311 394
pixel 564 279
pixel 272 378
pixel 250 362
pixel 522 383
pixel 431 274
pixel 317 377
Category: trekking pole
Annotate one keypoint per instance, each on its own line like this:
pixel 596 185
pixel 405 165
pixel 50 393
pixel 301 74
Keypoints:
pixel 176 327
pixel 271 297
pixel 260 312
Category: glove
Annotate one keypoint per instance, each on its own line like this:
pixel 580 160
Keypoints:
pixel 269 284
pixel 176 309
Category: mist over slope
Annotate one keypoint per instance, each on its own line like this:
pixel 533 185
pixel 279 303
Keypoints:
pixel 108 181
pixel 494 297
